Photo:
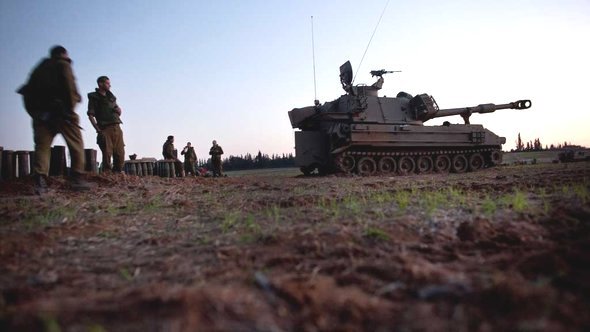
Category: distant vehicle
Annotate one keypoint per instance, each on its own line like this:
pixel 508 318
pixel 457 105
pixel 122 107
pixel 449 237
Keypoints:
pixel 573 153
pixel 363 133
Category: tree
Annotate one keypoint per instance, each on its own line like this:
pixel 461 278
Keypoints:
pixel 519 145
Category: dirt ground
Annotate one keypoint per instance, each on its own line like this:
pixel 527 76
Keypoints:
pixel 496 250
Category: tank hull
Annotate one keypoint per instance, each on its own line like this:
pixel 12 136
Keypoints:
pixel 369 149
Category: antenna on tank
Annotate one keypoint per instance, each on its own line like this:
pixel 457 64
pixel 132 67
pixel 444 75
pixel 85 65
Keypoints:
pixel 371 39
pixel 315 94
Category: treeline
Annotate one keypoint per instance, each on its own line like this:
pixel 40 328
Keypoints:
pixel 535 145
pixel 247 161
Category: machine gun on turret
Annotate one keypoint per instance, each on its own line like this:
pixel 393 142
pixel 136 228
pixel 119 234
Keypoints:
pixel 383 72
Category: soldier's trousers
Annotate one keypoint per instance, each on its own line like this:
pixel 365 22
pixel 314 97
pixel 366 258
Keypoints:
pixel 189 167
pixel 113 147
pixel 216 161
pixel 43 135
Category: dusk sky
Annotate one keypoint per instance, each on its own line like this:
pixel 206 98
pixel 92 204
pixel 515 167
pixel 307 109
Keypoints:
pixel 231 70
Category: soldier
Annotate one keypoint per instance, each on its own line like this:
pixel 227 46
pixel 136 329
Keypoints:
pixel 104 114
pixel 190 157
pixel 216 151
pixel 50 97
pixel 168 153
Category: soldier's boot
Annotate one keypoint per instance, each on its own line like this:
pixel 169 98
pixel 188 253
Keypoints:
pixel 40 185
pixel 77 183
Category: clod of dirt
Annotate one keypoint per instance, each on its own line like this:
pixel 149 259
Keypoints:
pixel 478 230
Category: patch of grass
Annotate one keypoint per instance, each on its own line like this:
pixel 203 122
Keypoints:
pixel 253 230
pixel 545 200
pixel 402 199
pixel 49 217
pixel 565 189
pixel 381 197
pixel 50 323
pixel 353 204
pixel 230 220
pixel 517 200
pixel 153 204
pixel 456 196
pixel 274 213
pixel 125 274
pixel 251 224
pixel 203 240
pixel 106 235
pixel 96 328
pixel 581 191
pixel 379 213
pixel 127 208
pixel 329 207
pixel 432 200
pixel 488 206
pixel 375 233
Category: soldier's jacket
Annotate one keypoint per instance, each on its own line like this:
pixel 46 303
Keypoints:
pixel 190 154
pixel 216 151
pixel 168 150
pixel 51 88
pixel 104 108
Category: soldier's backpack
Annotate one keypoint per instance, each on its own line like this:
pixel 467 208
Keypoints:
pixel 39 96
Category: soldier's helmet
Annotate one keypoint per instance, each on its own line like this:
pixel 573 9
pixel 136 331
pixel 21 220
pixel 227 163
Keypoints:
pixel 214 142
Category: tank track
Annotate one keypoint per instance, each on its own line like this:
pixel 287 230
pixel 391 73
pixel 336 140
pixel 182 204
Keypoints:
pixel 457 160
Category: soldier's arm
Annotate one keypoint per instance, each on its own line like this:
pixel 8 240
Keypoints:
pixel 94 123
pixel 91 113
pixel 71 96
pixel 117 108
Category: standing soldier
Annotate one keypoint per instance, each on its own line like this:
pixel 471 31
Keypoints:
pixel 190 157
pixel 104 114
pixel 50 97
pixel 168 153
pixel 216 151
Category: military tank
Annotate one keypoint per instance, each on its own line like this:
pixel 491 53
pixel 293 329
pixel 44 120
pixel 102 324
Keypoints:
pixel 363 133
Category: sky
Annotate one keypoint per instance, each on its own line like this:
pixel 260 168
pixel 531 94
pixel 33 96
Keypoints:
pixel 230 70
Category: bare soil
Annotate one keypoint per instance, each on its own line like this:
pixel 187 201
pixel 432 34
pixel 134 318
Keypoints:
pixel 495 250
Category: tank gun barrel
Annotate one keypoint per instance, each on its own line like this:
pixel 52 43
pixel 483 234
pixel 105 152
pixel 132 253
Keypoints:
pixel 466 112
pixel 426 108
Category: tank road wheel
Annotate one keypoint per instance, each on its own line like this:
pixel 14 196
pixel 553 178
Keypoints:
pixel 442 163
pixel 366 166
pixel 387 165
pixel 459 164
pixel 495 157
pixel 346 163
pixel 424 164
pixel 476 161
pixel 406 165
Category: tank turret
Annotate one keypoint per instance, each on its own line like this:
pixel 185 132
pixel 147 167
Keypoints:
pixel 364 133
